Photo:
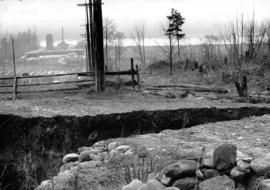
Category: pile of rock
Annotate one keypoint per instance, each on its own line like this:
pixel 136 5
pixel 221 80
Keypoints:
pixel 225 168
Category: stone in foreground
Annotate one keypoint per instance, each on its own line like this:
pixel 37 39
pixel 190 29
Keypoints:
pixel 225 157
pixel 218 183
pixel 185 183
pixel 133 185
pixel 261 165
pixel 152 185
pixel 264 185
pixel 70 158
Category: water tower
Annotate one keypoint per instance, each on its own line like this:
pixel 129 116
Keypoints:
pixel 49 42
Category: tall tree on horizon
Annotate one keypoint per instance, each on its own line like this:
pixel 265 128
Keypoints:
pixel 174 30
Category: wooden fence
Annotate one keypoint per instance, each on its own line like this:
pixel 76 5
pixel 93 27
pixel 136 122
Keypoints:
pixel 133 72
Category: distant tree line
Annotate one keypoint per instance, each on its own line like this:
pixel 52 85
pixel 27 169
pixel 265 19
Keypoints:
pixel 24 41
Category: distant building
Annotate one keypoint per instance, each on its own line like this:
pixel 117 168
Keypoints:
pixel 49 42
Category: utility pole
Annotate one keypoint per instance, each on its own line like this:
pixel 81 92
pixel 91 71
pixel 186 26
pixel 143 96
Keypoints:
pixel 99 47
pixel 94 33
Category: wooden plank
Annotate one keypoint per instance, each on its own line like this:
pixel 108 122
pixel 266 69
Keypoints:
pixel 45 76
pixel 138 77
pixel 132 72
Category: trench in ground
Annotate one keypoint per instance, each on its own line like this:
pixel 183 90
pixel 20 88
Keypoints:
pixel 31 149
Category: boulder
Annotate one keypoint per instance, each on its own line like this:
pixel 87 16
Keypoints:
pixel 185 183
pixel 208 159
pixel 217 183
pixel 123 148
pixel 261 165
pixel 180 169
pixel 264 185
pixel 68 166
pixel 113 145
pixel 238 175
pixel 84 148
pixel 133 185
pixel 210 173
pixel 89 165
pixel 152 185
pixel 70 158
pixel 84 156
pixel 225 157
pixel 243 166
pixel 243 157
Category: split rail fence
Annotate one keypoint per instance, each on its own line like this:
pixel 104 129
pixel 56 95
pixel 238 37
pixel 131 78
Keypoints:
pixel 133 72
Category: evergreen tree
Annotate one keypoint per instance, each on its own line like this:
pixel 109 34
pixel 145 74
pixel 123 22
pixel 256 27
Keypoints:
pixel 174 30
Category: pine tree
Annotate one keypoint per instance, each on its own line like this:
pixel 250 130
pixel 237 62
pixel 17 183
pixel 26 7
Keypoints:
pixel 174 30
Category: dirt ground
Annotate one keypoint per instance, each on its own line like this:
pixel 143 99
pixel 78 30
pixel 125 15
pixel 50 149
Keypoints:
pixel 81 102
pixel 250 135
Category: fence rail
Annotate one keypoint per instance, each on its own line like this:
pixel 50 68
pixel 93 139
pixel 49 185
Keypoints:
pixel 132 72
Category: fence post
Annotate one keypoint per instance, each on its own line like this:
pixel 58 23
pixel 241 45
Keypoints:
pixel 14 72
pixel 138 77
pixel 132 72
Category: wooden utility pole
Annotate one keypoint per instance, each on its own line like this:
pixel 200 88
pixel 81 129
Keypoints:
pixel 89 54
pixel 98 39
pixel 14 72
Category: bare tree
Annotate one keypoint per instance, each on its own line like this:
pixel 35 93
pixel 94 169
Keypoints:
pixel 211 51
pixel 234 43
pixel 139 39
pixel 268 37
pixel 255 36
pixel 118 49
pixel 109 29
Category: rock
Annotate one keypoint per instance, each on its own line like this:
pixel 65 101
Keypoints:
pixel 171 188
pixel 152 185
pixel 84 148
pixel 217 183
pixel 84 156
pixel 129 153
pixel 264 185
pixel 180 169
pixel 185 183
pixel 133 185
pixel 113 145
pixel 90 164
pixel 224 157
pixel 210 173
pixel 243 166
pixel 261 165
pixel 237 175
pixel 95 157
pixel 243 157
pixel 253 182
pixel 45 185
pixel 68 166
pixel 208 159
pixel 165 180
pixel 70 158
pixel 123 148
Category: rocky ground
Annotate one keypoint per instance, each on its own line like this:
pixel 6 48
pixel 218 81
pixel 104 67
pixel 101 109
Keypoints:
pixel 184 158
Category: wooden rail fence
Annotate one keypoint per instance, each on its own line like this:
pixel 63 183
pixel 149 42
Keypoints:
pixel 133 72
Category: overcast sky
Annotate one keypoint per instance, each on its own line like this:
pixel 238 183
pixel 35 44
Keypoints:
pixel 202 16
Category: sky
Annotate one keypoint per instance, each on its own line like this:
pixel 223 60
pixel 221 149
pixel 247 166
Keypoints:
pixel 203 17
